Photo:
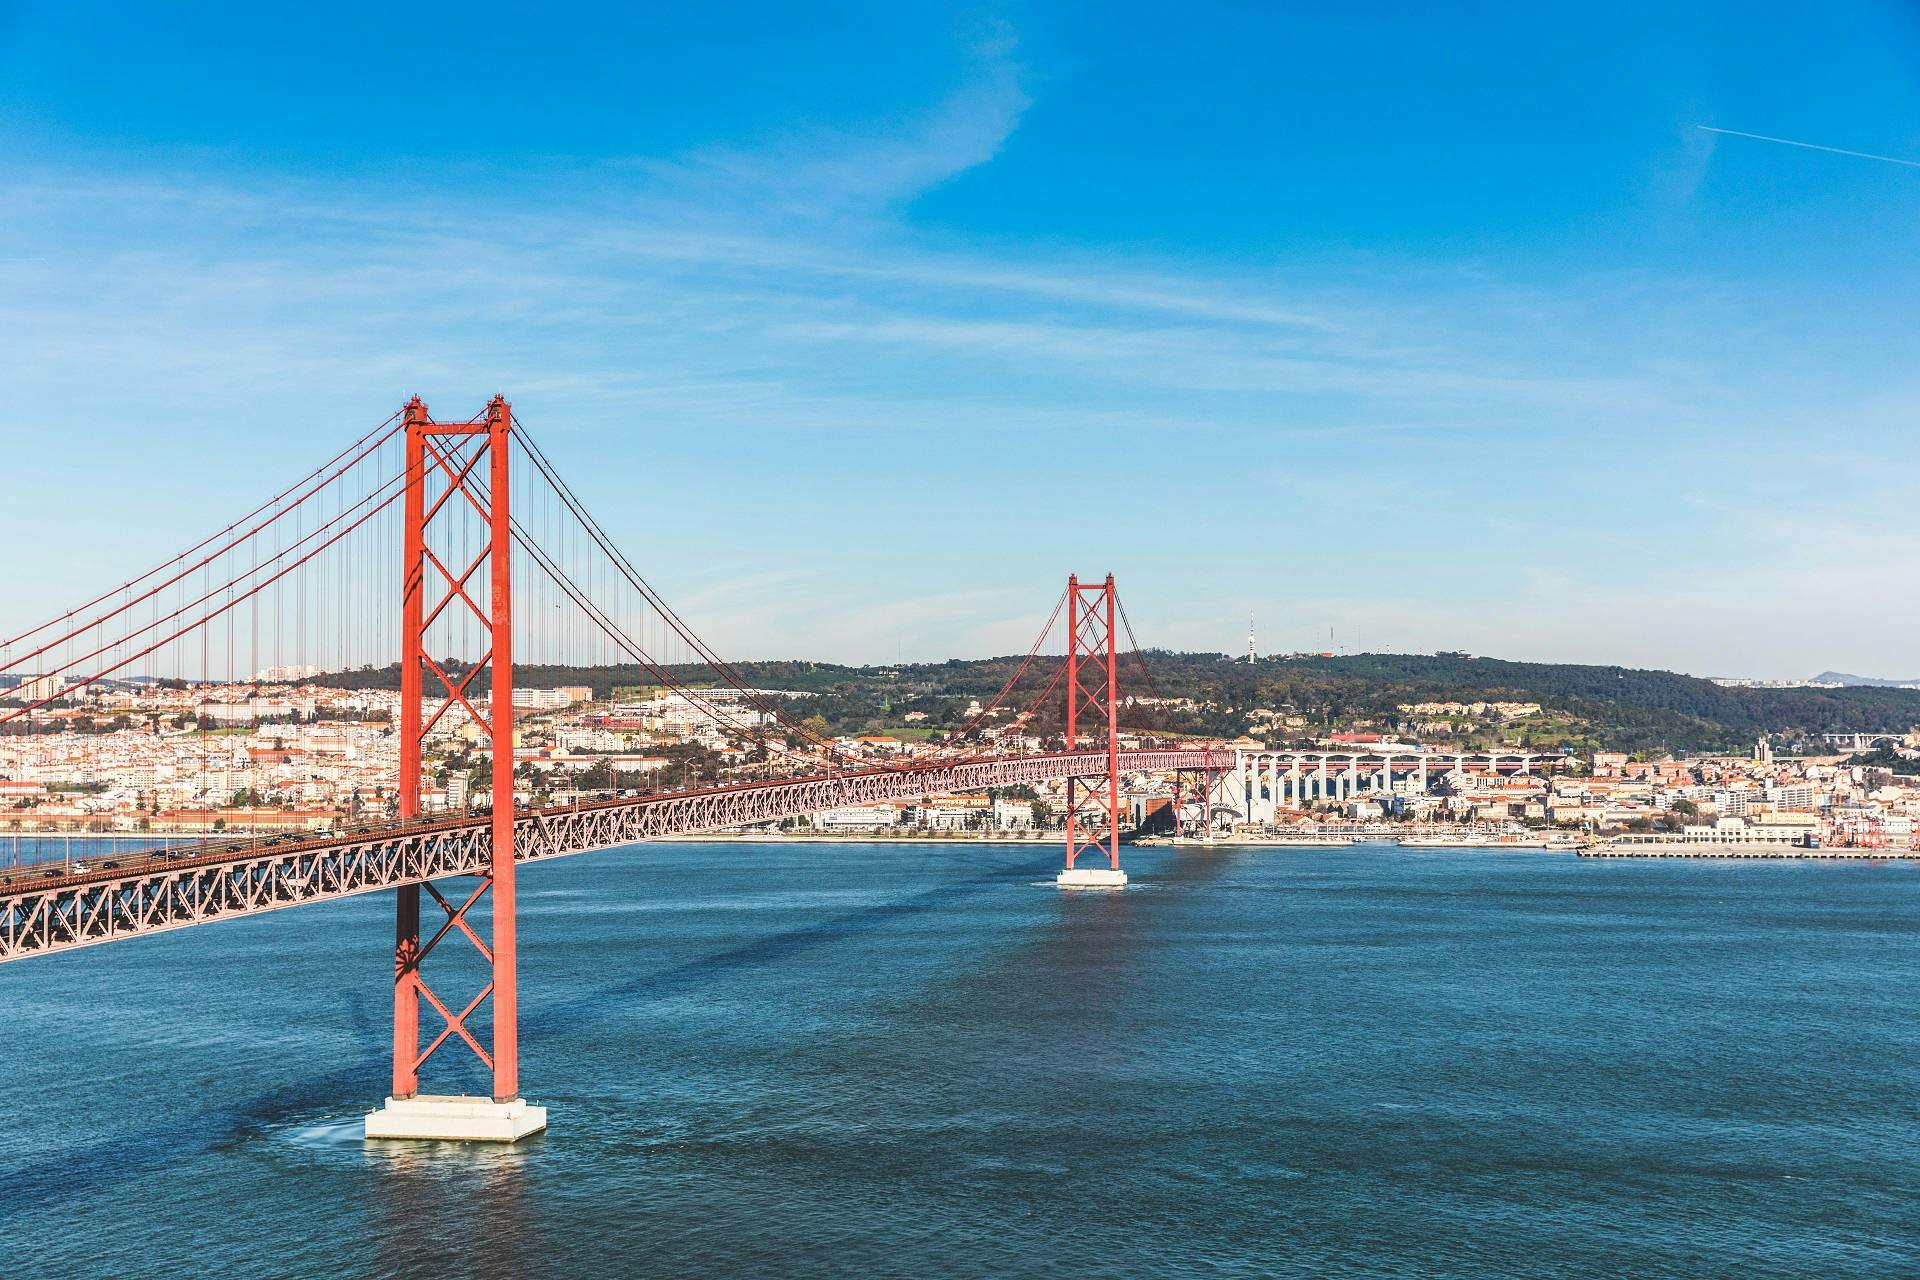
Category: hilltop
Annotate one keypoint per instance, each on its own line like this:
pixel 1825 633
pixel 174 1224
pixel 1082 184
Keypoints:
pixel 1878 682
pixel 1581 707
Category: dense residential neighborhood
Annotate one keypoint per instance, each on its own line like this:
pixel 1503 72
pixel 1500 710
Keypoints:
pixel 289 752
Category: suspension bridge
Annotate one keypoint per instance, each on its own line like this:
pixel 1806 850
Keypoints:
pixel 455 549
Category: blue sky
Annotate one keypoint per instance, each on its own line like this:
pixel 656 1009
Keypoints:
pixel 861 329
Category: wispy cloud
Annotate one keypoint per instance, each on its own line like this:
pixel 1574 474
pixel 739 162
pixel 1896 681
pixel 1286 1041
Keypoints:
pixel 830 175
pixel 739 341
pixel 196 279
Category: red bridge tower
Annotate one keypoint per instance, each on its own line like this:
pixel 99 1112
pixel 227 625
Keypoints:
pixel 453 467
pixel 1093 710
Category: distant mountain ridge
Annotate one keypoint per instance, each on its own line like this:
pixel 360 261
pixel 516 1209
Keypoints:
pixel 1863 682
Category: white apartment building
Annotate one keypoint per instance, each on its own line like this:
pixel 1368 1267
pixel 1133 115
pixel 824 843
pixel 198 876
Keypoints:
pixel 589 740
pixel 551 699
pixel 1013 815
pixel 681 716
pixel 1797 796
pixel 872 817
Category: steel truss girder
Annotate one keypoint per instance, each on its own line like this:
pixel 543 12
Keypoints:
pixel 86 910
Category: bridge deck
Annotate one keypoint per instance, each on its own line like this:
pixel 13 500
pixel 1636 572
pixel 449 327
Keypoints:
pixel 153 892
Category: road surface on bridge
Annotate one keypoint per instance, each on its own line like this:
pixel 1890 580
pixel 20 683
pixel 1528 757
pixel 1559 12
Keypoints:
pixel 155 892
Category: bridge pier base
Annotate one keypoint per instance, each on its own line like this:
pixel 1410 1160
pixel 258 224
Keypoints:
pixel 1092 878
pixel 446 1118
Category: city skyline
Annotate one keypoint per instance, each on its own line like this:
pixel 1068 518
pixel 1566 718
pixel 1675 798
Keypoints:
pixel 1469 356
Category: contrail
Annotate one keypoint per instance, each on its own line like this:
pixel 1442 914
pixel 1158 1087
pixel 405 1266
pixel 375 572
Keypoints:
pixel 1812 146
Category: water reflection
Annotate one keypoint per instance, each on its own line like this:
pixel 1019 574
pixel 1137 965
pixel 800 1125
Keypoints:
pixel 454 1207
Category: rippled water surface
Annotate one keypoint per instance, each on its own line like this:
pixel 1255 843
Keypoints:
pixel 904 1060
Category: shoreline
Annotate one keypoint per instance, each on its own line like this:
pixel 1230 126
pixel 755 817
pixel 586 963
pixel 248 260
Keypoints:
pixel 1747 852
pixel 788 837
pixel 1790 853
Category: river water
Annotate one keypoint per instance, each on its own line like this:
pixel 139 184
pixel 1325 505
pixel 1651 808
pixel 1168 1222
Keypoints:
pixel 926 1061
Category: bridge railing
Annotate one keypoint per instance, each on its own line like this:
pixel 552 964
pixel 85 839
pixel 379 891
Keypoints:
pixel 44 913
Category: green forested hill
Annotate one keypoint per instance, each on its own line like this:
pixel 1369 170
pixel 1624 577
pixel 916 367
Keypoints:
pixel 1618 707
pixel 1585 707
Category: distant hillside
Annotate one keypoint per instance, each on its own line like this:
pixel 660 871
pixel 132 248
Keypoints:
pixel 1623 707
pixel 1869 682
pixel 1583 707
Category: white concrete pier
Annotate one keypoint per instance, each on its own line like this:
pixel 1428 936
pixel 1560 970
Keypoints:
pixel 446 1118
pixel 1092 878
